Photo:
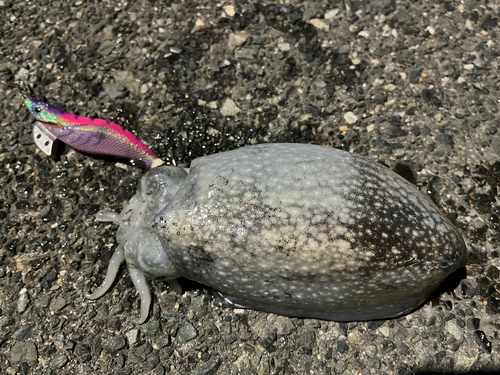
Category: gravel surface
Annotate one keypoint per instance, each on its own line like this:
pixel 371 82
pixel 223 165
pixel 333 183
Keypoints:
pixel 406 83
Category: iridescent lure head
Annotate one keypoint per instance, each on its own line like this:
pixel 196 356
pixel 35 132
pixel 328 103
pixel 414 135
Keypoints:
pixel 44 112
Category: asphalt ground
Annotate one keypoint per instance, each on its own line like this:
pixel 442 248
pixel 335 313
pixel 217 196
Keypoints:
pixel 410 84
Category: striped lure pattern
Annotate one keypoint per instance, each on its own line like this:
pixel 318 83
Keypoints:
pixel 93 136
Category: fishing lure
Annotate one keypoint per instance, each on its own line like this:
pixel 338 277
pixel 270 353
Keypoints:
pixel 89 135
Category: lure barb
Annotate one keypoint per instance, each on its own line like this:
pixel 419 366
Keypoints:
pixel 92 136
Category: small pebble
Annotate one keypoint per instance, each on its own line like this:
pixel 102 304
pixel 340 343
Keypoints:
pixel 229 108
pixel 23 351
pixel 390 87
pixel 117 309
pixel 355 338
pixel 371 351
pixel 176 49
pixel 331 14
pixel 60 361
pixel 5 321
pixel 151 364
pixel 350 118
pixel 132 336
pixel 319 24
pixel 114 344
pixel 284 47
pixel 69 345
pixel 199 25
pixel 244 54
pixel 384 330
pixel 340 367
pixel 237 39
pixel 482 340
pixel 186 333
pixel 230 11
pixel 57 304
pixel 22 302
pixel 82 351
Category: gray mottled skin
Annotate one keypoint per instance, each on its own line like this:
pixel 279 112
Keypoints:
pixel 293 229
pixel 308 231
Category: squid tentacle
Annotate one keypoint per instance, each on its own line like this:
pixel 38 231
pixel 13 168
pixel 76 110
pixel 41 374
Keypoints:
pixel 108 216
pixel 141 284
pixel 114 265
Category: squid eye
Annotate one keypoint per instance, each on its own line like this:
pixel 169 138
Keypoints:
pixel 38 109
